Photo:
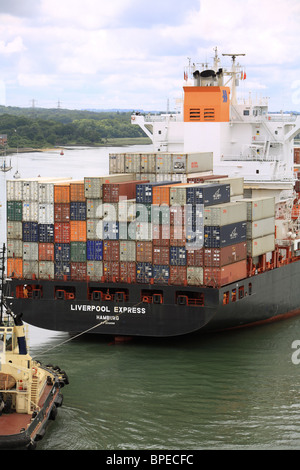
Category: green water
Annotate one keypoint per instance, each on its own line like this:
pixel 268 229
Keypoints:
pixel 228 391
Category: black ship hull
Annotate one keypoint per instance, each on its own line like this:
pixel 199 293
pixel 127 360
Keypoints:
pixel 158 310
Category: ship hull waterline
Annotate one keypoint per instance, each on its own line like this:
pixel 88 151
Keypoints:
pixel 271 295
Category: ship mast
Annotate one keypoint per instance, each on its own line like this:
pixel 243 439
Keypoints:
pixel 233 74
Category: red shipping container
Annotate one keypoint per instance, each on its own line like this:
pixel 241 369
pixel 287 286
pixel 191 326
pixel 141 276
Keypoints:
pixel 46 251
pixel 62 212
pixel 62 232
pixel 161 255
pixel 111 250
pixel 203 178
pixel 144 252
pixel 297 155
pixel 178 275
pixel 111 192
pixel 177 235
pixel 177 215
pixel 78 271
pixel 194 257
pixel 218 277
pixel 160 235
pixel 111 271
pixel 226 255
pixel 128 271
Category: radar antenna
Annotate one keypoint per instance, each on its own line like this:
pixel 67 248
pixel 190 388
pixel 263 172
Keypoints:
pixel 233 76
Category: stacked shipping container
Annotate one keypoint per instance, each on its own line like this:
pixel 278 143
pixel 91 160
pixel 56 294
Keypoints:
pixel 117 228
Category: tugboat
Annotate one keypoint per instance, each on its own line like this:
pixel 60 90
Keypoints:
pixel 30 393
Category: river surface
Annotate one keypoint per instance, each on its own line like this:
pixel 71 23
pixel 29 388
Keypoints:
pixel 237 390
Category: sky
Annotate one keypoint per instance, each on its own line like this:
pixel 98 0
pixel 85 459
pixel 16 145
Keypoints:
pixel 131 54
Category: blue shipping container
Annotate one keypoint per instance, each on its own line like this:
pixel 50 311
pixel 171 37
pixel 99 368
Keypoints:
pixel 30 232
pixel 46 233
pixel 94 250
pixel 177 256
pixel 144 272
pixel 77 211
pixel 209 194
pixel 62 271
pixel 217 237
pixel 144 191
pixel 62 253
pixel 161 274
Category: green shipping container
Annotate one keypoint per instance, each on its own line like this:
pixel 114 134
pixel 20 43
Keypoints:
pixel 14 210
pixel 78 252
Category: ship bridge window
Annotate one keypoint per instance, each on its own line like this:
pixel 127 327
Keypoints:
pixel 64 292
pixel 241 292
pixel 246 112
pixel 193 299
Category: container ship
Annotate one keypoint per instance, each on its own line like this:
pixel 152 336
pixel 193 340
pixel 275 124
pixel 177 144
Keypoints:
pixel 201 233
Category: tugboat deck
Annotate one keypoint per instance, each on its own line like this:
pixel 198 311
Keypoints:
pixel 12 423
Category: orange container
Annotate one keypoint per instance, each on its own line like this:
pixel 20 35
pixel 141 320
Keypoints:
pixel 77 193
pixel 78 231
pixel 46 252
pixel 15 267
pixel 61 192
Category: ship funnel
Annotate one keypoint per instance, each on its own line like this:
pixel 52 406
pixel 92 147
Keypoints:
pixel 208 77
pixel 196 76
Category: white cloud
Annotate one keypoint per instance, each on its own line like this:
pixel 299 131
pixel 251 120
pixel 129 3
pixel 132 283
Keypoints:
pixel 129 53
pixel 12 47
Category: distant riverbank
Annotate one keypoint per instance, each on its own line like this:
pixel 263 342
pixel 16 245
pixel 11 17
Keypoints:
pixel 115 142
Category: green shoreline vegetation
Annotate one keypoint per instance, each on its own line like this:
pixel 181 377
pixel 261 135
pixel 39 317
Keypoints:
pixel 30 129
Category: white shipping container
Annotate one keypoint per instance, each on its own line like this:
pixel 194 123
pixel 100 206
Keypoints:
pixel 30 269
pixel 30 190
pixel 197 162
pixel 177 195
pixel 30 251
pixel 116 163
pixel 261 227
pixel 94 229
pixel 151 177
pixel 46 192
pixel 224 214
pixel 93 208
pixel 94 270
pixel 133 163
pixel 236 184
pixel 148 163
pixel 259 246
pixel 30 211
pixel 180 177
pixel 260 208
pixel 14 230
pixel 143 231
pixel 194 275
pixel 127 250
pixel 164 163
pixel 14 248
pixel 14 190
pixel 93 184
pixel 46 213
pixel 110 211
pixel 46 270
pixel 127 210
pixel 160 177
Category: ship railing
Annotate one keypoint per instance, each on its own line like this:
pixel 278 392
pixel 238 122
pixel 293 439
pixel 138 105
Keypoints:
pixel 163 117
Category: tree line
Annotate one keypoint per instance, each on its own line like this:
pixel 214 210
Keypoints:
pixel 38 128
